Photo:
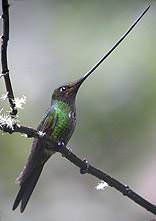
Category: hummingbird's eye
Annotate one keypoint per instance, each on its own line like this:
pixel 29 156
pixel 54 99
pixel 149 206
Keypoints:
pixel 63 89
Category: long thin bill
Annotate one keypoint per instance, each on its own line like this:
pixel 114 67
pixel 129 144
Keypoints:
pixel 113 48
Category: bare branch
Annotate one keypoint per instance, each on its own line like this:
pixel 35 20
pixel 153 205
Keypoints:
pixel 5 70
pixel 124 189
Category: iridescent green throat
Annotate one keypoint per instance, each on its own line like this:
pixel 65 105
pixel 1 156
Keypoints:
pixel 64 126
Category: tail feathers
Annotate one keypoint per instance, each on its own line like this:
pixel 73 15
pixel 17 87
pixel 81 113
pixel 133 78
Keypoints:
pixel 27 188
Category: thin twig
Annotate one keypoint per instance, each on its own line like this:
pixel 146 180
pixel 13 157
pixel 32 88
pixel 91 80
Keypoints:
pixel 124 189
pixel 5 70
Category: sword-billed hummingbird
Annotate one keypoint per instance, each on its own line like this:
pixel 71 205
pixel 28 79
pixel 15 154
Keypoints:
pixel 59 123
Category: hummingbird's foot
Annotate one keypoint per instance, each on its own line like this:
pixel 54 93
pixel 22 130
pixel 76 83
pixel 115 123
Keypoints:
pixel 82 170
pixel 70 150
pixel 60 144
pixel 58 147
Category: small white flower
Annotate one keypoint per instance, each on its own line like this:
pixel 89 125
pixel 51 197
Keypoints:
pixel 7 120
pixel 41 134
pixel 4 96
pixel 102 186
pixel 20 101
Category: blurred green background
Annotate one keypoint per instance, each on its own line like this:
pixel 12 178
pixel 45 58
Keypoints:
pixel 53 42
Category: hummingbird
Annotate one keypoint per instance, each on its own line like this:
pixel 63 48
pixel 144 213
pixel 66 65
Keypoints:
pixel 59 123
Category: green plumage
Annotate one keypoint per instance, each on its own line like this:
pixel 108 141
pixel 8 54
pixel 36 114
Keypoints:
pixel 59 121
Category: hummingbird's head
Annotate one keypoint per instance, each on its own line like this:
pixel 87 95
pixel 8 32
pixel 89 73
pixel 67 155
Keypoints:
pixel 67 92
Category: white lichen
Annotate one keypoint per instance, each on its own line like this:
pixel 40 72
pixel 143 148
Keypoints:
pixel 7 120
pixel 17 101
pixel 20 101
pixel 24 135
pixel 102 185
pixel 41 134
pixel 4 96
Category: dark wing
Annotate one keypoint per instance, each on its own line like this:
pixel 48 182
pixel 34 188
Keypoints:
pixel 28 178
pixel 38 155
